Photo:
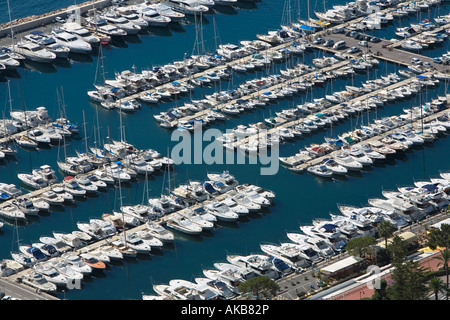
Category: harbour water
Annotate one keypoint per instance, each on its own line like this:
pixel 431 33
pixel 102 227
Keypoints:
pixel 299 197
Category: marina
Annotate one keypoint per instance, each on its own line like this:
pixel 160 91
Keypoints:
pixel 144 193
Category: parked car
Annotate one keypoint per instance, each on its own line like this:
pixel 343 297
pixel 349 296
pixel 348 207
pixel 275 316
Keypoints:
pixel 428 65
pixel 319 41
pixel 416 61
pixel 339 45
pixel 363 43
pixel 329 43
pixel 375 39
pixel 353 50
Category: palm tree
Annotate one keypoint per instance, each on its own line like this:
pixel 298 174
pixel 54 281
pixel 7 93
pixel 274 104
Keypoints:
pixel 385 230
pixel 445 258
pixel 437 285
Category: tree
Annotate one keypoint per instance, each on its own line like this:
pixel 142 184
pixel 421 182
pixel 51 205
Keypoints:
pixel 381 293
pixel 445 258
pixel 439 237
pixel 259 287
pixel 385 230
pixel 409 282
pixel 436 285
pixel 358 247
pixel 398 249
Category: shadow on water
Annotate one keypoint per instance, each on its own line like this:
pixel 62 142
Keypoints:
pixel 40 67
pixel 133 38
pixel 160 32
pixel 246 5
pixel 229 10
pixel 62 63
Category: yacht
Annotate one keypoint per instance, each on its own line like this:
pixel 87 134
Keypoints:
pixel 320 170
pixel 197 219
pixel 48 42
pixel 77 264
pixel 117 20
pixel 72 187
pixel 289 253
pixel 8 61
pixel 34 52
pixel 80 32
pixel 75 44
pixel 92 261
pixel 189 7
pixel 357 154
pixel 26 206
pixel 32 180
pixel 158 231
pixel 47 174
pixel 184 225
pixel 136 243
pixel 38 281
pixel 51 274
pixel 346 161
pixel 152 16
pixel 202 291
pixel 9 190
pixel 220 287
pixel 323 229
pixel 257 262
pixel 66 270
pixel 165 10
pixel 221 211
pixel 86 184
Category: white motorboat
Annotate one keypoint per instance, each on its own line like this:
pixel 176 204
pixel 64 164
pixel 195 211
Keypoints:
pixel 74 43
pixel 80 32
pixel 152 16
pixel 72 187
pixel 51 274
pixel 136 243
pixel 77 264
pixel 324 229
pixel 8 61
pixel 9 190
pixel 69 239
pixel 32 180
pixel 117 20
pixel 357 154
pixel 60 192
pixel 34 52
pixel 335 168
pixel 256 262
pixel 219 286
pixel 320 170
pixel 12 212
pixel 38 136
pixel 38 281
pixel 197 218
pixel 190 7
pixel 25 142
pixel 346 161
pixel 235 207
pixel 221 211
pixel 86 184
pixel 166 11
pixel 183 225
pixel 66 270
pixel 48 249
pixel 158 231
pixel 47 174
pixel 26 206
pixel 111 252
pixel 243 200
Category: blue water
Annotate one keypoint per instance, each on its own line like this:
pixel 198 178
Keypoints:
pixel 300 197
